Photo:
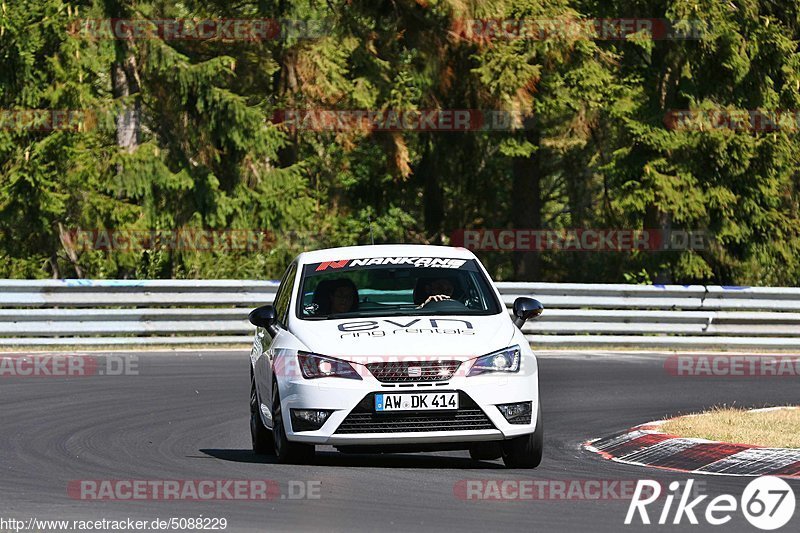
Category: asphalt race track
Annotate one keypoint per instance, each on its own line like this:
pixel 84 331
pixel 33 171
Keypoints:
pixel 185 416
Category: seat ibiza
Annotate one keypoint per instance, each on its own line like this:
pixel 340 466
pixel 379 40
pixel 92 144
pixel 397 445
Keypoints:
pixel 394 348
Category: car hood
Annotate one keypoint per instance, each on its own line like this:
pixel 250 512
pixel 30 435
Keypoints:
pixel 460 337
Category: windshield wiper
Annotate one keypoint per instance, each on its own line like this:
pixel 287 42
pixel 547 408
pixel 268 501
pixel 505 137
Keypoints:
pixel 341 315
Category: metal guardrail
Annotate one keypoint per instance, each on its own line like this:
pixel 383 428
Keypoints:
pixel 85 312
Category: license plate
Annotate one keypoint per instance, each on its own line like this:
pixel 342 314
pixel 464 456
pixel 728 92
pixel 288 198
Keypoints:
pixel 428 401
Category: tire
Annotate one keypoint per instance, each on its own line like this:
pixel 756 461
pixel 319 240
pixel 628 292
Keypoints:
pixel 485 451
pixel 285 450
pixel 263 443
pixel 525 451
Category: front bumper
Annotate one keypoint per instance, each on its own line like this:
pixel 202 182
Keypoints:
pixel 479 395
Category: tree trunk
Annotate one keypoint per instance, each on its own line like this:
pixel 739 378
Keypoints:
pixel 526 206
pixel 125 83
pixel 128 120
pixel 433 195
pixel 69 248
pixel 656 220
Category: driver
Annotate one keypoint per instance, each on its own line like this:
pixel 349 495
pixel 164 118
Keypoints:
pixel 343 296
pixel 439 289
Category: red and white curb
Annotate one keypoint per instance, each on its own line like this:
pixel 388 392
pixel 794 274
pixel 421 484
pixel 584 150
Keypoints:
pixel 647 445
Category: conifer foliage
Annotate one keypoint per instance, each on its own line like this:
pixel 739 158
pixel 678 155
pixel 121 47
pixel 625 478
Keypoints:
pixel 166 133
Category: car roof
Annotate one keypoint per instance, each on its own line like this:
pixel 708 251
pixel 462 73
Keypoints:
pixel 384 250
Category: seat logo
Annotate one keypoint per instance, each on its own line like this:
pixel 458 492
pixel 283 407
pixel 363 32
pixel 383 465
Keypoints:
pixel 414 371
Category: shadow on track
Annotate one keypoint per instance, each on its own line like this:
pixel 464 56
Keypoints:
pixel 337 459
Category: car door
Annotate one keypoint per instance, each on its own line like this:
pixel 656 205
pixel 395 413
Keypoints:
pixel 266 342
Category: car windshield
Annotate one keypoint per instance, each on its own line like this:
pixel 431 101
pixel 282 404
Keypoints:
pixel 394 286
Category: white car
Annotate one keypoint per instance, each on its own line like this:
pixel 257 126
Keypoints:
pixel 394 348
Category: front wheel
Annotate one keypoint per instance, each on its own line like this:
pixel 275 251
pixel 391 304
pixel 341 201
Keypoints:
pixel 259 434
pixel 286 451
pixel 525 451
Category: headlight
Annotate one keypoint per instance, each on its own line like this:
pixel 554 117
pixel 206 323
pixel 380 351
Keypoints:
pixel 319 366
pixel 507 360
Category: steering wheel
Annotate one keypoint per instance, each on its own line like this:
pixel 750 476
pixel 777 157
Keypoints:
pixel 444 305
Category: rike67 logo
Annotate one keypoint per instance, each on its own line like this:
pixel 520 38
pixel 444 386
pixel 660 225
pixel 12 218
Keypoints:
pixel 768 503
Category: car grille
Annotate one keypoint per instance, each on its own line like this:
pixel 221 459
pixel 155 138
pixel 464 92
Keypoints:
pixel 398 371
pixel 363 419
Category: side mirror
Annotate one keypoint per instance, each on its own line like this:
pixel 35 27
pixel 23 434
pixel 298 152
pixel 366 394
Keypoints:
pixel 263 317
pixel 526 309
